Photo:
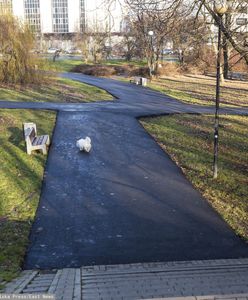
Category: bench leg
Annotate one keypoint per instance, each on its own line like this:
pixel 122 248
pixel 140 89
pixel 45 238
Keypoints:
pixel 29 151
pixel 48 141
pixel 44 149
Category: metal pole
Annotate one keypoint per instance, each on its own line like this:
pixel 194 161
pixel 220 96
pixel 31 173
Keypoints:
pixel 217 105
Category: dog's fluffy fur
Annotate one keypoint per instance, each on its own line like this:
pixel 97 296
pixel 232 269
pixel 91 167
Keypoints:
pixel 84 144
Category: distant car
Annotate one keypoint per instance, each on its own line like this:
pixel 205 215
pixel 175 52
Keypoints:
pixel 168 51
pixel 36 51
pixel 73 51
pixel 52 50
pixel 68 51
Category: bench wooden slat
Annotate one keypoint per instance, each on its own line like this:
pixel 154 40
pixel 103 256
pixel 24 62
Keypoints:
pixel 34 142
pixel 40 140
pixel 37 141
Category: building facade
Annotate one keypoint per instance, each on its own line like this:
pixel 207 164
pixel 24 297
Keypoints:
pixel 5 6
pixel 64 16
pixel 57 23
pixel 49 16
pixel 32 14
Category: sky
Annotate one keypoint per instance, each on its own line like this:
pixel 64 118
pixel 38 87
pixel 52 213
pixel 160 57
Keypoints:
pixel 97 11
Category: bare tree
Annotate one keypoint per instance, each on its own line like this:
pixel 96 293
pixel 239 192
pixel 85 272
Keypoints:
pixel 156 17
pixel 189 36
pixel 98 39
pixel 82 40
pixel 235 33
pixel 130 43
pixel 233 25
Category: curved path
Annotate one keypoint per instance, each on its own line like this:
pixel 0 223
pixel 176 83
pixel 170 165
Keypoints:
pixel 133 100
pixel 125 202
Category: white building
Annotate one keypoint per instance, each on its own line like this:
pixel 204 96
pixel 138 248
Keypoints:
pixel 56 22
pixel 65 16
pixel 51 16
pixel 5 6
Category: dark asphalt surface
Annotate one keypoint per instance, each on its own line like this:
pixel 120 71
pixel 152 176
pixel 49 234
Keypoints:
pixel 132 100
pixel 126 201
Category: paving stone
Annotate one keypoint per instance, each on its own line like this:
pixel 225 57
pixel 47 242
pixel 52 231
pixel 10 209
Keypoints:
pixel 12 286
pixel 205 278
pixel 35 290
pixel 78 286
pixel 39 284
pixel 20 285
pixel 161 281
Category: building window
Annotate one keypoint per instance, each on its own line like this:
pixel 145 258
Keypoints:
pixel 5 6
pixel 82 16
pixel 60 16
pixel 32 14
pixel 241 21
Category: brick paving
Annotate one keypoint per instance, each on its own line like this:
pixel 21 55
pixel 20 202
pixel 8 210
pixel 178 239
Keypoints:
pixel 218 297
pixel 191 280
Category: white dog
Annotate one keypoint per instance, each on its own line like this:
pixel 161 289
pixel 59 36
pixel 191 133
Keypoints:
pixel 84 144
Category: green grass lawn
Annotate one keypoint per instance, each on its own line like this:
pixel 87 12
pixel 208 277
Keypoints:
pixel 66 65
pixel 55 90
pixel 188 139
pixel 20 183
pixel 190 88
pixel 121 62
pixel 62 65
pixel 198 89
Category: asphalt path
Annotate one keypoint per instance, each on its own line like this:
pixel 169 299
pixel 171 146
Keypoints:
pixel 126 201
pixel 131 100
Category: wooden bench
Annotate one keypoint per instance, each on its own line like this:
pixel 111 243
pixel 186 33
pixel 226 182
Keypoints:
pixel 139 81
pixel 34 142
pixel 135 80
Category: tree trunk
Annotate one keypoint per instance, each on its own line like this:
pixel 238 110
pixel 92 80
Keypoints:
pixel 157 56
pixel 222 79
pixel 181 56
pixel 226 46
pixel 226 58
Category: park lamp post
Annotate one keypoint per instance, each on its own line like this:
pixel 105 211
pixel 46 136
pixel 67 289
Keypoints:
pixel 220 7
pixel 151 34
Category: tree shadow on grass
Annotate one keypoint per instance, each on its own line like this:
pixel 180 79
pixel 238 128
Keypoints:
pixel 23 165
pixel 13 244
pixel 209 85
pixel 16 138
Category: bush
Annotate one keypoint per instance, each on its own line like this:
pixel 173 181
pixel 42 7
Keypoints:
pixel 169 69
pixel 17 63
pixel 207 60
pixel 103 70
pixel 95 70
pixel 194 69
pixel 142 71
pixel 122 70
pixel 100 71
pixel 106 71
